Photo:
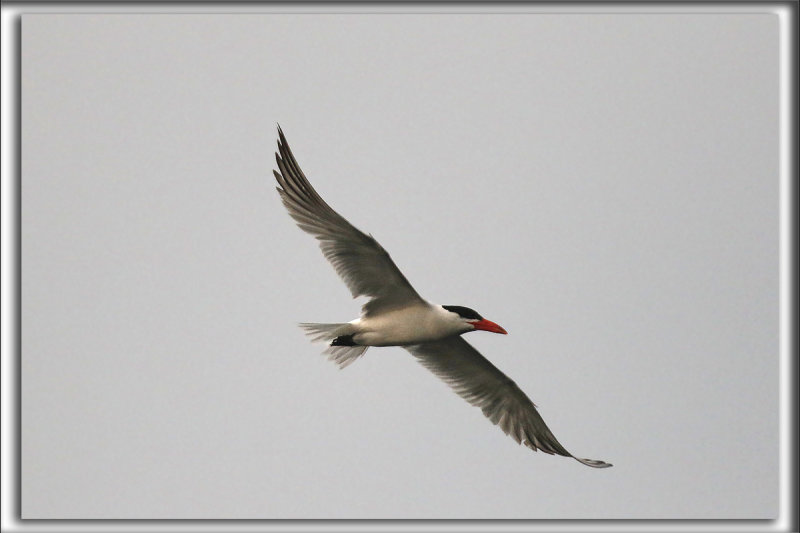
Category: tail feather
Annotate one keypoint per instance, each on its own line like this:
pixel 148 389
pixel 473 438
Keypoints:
pixel 325 332
pixel 344 355
pixel 341 355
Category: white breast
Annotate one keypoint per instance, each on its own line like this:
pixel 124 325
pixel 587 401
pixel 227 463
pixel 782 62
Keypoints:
pixel 409 325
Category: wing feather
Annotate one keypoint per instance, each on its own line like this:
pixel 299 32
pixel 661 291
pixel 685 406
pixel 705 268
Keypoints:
pixel 361 262
pixel 483 385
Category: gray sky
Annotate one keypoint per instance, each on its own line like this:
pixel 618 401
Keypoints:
pixel 603 186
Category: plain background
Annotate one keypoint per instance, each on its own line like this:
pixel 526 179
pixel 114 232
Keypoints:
pixel 603 186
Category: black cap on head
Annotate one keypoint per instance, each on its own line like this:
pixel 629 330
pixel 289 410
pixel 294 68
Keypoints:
pixel 463 312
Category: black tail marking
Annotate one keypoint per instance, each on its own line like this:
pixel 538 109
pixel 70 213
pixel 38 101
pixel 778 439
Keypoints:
pixel 343 340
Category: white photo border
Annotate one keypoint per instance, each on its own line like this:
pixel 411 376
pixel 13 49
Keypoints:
pixel 11 268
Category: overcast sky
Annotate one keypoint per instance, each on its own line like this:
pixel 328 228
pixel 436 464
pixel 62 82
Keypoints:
pixel 603 186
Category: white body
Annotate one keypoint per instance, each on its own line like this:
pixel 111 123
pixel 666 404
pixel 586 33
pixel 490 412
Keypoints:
pixel 414 324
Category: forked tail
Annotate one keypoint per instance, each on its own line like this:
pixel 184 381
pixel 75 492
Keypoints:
pixel 339 338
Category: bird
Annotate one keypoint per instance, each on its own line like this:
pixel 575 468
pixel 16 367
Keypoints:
pixel 396 315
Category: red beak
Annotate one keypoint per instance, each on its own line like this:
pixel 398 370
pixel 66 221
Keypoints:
pixel 488 325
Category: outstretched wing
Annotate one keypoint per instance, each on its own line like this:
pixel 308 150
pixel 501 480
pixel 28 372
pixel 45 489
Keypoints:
pixel 483 385
pixel 360 261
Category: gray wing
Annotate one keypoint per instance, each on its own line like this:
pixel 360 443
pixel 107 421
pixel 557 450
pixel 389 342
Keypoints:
pixel 360 261
pixel 483 385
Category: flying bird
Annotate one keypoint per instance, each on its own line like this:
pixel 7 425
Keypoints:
pixel 396 315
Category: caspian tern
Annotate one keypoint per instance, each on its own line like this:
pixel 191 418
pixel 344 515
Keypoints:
pixel 396 315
